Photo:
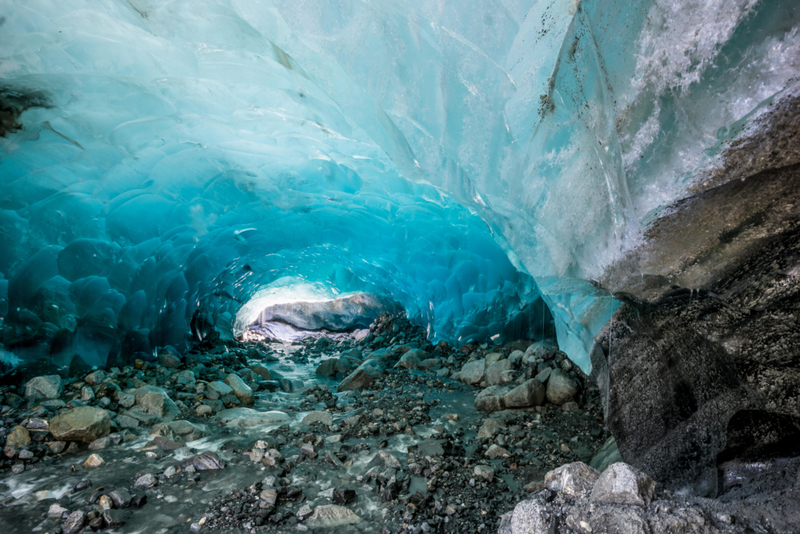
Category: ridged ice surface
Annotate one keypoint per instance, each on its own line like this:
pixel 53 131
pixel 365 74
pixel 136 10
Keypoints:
pixel 186 155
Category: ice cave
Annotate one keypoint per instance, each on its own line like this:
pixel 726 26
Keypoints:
pixel 384 266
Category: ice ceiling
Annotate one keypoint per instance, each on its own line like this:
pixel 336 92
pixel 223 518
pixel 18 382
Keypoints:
pixel 175 159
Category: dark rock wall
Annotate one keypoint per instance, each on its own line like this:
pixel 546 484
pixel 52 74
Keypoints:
pixel 709 328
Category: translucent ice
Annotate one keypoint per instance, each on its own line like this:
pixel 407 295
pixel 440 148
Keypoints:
pixel 172 159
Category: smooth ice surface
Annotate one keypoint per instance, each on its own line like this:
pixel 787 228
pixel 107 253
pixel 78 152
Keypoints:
pixel 179 157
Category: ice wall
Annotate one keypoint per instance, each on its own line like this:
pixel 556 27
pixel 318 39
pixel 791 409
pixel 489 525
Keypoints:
pixel 180 162
pixel 177 156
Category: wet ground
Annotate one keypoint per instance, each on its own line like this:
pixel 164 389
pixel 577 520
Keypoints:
pixel 402 455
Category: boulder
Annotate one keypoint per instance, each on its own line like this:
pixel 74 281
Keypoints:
pixel 330 516
pixel 622 484
pixel 247 417
pixel 543 375
pixel 472 372
pixel 483 472
pixel 333 366
pixel 411 359
pixel 530 517
pixel 220 387
pixel 19 437
pixel 491 399
pixel 155 401
pixel 94 460
pixel 206 461
pixel 182 429
pixel 75 522
pixel 493 357
pixel 496 451
pixel 241 390
pixel 498 373
pixel 362 377
pixel 529 393
pixel 44 387
pixel 560 387
pixel 261 371
pixel 95 379
pixel 318 417
pixel 576 479
pixel 490 427
pixel 169 357
pixel 84 424
pixel 516 357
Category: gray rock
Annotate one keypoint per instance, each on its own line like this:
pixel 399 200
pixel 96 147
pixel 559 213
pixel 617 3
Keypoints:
pixel 490 427
pixel 186 378
pixel 44 387
pixel 120 497
pixel 100 444
pixel 500 372
pixel 168 357
pixel 493 357
pixel 96 378
pixel 220 388
pixel 333 366
pixel 154 400
pixel 491 399
pixel 127 400
pixel 207 461
pixel 544 374
pixel 247 417
pixel 126 421
pixel 84 424
pixel 483 472
pixel 19 437
pixel 74 523
pixel 428 447
pixel 560 387
pixel 530 517
pixel 529 393
pixel 269 495
pixel 576 479
pixel 183 429
pixel 261 371
pixel 412 359
pixel 56 447
pixel 472 372
pixel 318 417
pixel 242 391
pixel 145 481
pixel 308 450
pixel 330 516
pixel 622 484
pixel 632 520
pixel 516 357
pixel 56 511
pixel 361 378
pixel 496 451
pixel 114 519
pixel 388 460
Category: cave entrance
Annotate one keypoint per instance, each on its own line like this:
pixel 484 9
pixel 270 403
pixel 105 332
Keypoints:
pixel 301 312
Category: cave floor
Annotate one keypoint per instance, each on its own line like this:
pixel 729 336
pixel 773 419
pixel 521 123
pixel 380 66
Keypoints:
pixel 401 455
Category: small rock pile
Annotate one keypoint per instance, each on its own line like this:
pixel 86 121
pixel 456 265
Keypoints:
pixel 577 498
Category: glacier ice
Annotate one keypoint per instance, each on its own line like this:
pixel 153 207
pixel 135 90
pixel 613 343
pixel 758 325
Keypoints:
pixel 175 160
